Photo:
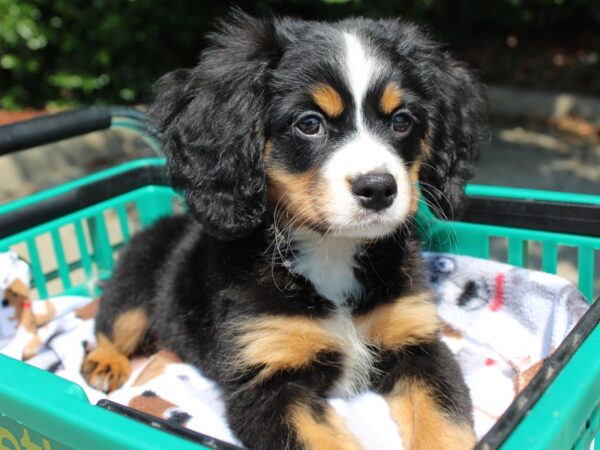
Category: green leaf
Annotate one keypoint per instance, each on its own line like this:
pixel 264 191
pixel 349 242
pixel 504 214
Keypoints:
pixel 9 62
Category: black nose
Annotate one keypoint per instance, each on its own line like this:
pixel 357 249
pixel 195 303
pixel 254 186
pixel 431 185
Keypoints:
pixel 375 191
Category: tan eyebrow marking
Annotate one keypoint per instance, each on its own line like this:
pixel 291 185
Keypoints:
pixel 391 98
pixel 328 99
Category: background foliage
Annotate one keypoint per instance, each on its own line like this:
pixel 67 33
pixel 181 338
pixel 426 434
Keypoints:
pixel 54 52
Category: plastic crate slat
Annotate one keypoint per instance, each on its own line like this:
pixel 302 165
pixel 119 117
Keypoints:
pixel 61 261
pixel 101 244
pixel 517 252
pixel 36 268
pixel 123 222
pixel 86 260
pixel 549 257
pixel 586 270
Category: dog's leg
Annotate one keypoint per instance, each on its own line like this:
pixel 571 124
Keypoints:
pixel 286 414
pixel 281 372
pixel 419 377
pixel 423 424
pixel 428 399
pixel 107 367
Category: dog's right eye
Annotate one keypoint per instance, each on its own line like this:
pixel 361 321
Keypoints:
pixel 310 125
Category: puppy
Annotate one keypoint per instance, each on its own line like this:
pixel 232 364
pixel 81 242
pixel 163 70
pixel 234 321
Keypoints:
pixel 296 275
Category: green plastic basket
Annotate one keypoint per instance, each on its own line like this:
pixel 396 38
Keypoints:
pixel 70 235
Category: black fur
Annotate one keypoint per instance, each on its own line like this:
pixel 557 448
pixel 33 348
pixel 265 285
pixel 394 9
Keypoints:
pixel 457 113
pixel 199 274
pixel 212 122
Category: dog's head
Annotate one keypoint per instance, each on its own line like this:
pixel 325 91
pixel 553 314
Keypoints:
pixel 328 125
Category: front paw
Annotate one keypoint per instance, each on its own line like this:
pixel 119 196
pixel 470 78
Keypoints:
pixel 105 368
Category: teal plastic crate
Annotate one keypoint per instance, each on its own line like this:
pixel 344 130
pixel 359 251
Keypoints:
pixel 71 234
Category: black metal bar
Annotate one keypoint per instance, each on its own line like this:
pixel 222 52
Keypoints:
pixel 54 127
pixel 82 197
pixel 170 427
pixel 570 218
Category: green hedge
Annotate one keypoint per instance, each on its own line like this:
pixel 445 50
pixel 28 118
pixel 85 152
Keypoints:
pixel 89 51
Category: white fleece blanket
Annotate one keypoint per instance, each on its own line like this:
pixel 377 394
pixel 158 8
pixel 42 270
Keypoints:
pixel 502 322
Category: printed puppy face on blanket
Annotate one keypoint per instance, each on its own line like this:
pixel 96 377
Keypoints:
pixel 20 318
pixel 15 309
pixel 16 301
pixel 521 314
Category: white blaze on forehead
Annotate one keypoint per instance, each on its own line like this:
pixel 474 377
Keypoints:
pixel 363 151
pixel 361 69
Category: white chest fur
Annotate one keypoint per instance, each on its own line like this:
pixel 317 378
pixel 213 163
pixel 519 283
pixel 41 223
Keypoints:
pixel 328 263
pixel 358 359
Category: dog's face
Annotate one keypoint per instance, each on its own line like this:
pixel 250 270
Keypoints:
pixel 345 133
pixel 322 126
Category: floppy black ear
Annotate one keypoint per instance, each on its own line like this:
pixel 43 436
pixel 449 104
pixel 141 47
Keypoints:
pixel 455 133
pixel 456 118
pixel 211 120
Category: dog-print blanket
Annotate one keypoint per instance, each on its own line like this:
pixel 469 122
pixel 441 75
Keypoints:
pixel 501 322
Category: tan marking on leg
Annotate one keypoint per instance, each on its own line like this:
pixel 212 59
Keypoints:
pixel 423 426
pixel 280 343
pixel 106 368
pixel 328 99
pixel 129 329
pixel 296 196
pixel 328 433
pixel 391 98
pixel 407 321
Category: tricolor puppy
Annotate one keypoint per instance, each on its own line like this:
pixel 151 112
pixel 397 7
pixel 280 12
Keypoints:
pixel 297 273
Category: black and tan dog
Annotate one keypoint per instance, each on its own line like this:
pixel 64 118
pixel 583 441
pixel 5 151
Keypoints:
pixel 297 275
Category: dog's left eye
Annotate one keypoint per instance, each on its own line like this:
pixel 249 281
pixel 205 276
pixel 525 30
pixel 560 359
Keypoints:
pixel 401 122
pixel 310 125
